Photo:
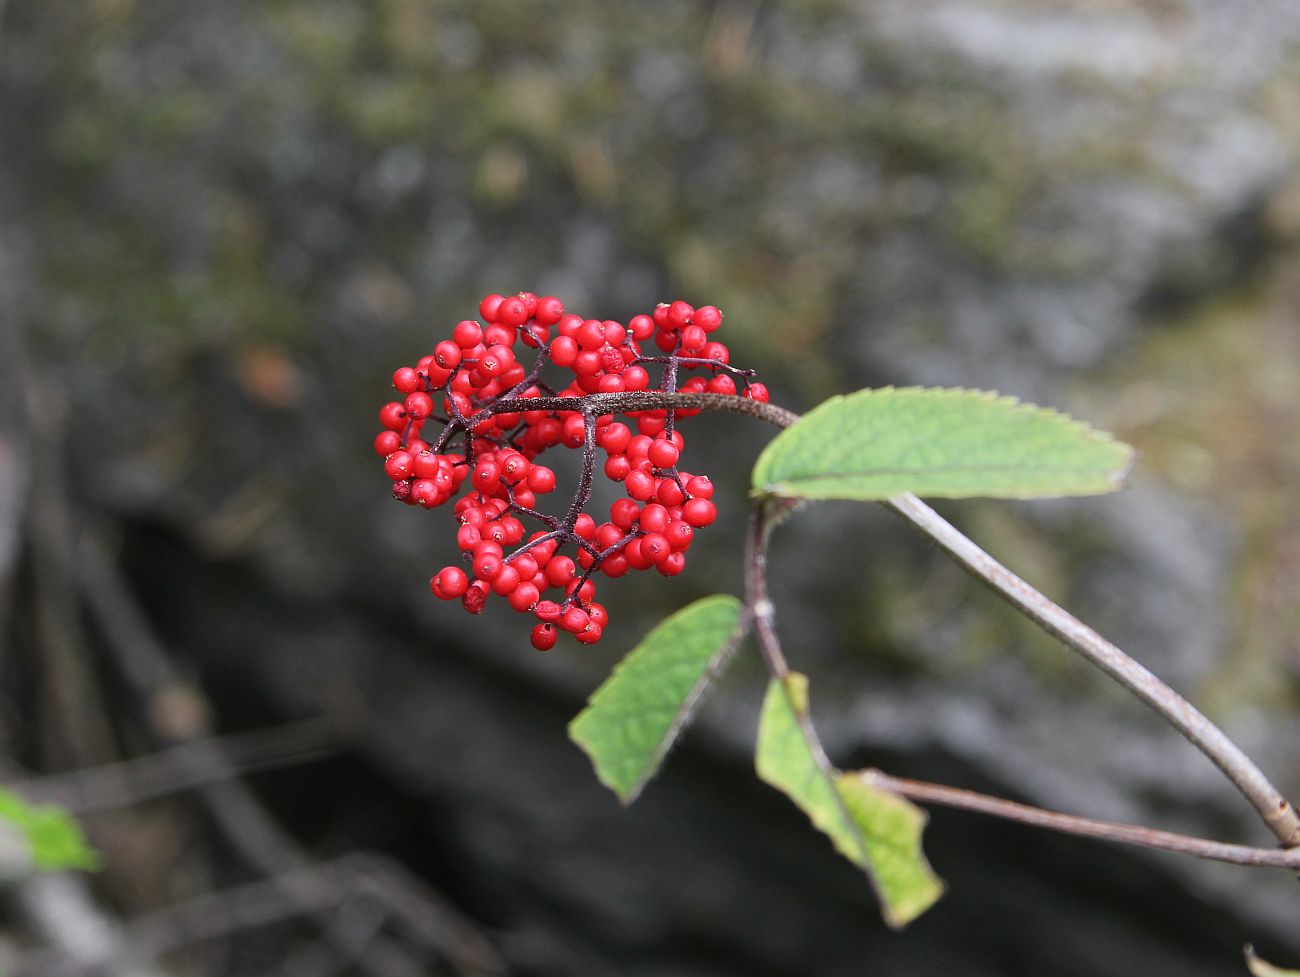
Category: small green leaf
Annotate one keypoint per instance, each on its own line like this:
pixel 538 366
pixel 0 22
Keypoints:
pixel 635 716
pixel 1262 968
pixel 54 839
pixel 944 443
pixel 878 831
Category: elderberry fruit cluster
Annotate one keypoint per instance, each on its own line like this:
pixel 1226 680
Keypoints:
pixel 494 417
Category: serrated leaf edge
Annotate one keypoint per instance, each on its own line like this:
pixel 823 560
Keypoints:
pixel 685 713
pixel 1118 476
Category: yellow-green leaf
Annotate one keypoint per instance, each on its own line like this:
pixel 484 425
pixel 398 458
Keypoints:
pixel 633 719
pixel 944 443
pixel 878 831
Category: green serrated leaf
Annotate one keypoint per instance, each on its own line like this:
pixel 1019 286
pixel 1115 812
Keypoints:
pixel 878 831
pixel 54 839
pixel 943 443
pixel 1262 968
pixel 635 716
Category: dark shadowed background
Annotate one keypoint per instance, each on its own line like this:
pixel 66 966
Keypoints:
pixel 223 224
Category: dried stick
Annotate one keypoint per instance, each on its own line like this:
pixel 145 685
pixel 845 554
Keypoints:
pixel 182 767
pixel 231 804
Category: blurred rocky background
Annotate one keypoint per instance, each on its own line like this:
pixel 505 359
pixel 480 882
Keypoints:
pixel 224 223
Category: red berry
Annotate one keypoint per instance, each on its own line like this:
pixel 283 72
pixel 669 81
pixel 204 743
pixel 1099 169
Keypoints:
pixel 679 535
pixel 624 513
pixel 524 597
pixel 574 619
pixel 591 334
pixel 699 486
pixel 419 405
pixel 505 582
pixel 496 361
pixel 585 527
pixel 514 468
pixel 708 317
pixel 544 636
pixel 406 380
pixel 560 570
pixel 653 518
pixel 614 437
pixel 693 340
pixel 642 327
pixel 590 634
pixel 617 467
pixel 663 453
pixel 652 425
pixel 585 592
pixel 636 378
pixel 680 314
pixel 699 512
pixel 393 416
pixel 758 391
pixel 467 334
pixel 486 477
pixel 549 310
pixel 672 564
pixel 488 566
pixel 447 354
pixel 668 493
pixel 587 363
pixel 640 485
pixel 655 547
pixel 498 335
pixel 424 492
pixel 548 611
pixel 607 534
pixel 386 442
pixel 488 307
pixel 541 479
pixel 564 350
pixel 722 385
pixel 399 466
pixel 575 430
pixel 450 583
pixel 512 312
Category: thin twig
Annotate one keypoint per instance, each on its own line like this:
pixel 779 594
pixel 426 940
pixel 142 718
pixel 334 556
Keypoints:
pixel 767 512
pixel 1276 811
pixel 183 767
pixel 1128 834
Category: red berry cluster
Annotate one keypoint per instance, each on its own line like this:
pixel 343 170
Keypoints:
pixel 496 416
